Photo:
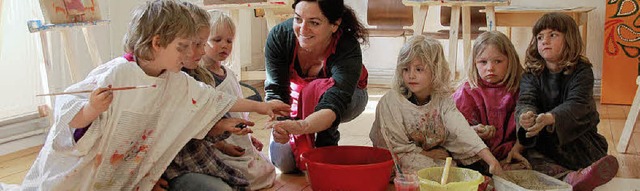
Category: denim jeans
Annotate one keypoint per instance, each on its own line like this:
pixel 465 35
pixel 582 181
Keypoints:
pixel 197 181
pixel 281 154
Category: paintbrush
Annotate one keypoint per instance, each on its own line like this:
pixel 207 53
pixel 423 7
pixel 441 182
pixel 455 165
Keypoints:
pixel 89 91
pixel 393 155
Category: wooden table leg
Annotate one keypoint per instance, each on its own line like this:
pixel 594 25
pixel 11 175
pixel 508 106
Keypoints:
pixel 490 14
pixel 453 39
pixel 419 18
pixel 466 40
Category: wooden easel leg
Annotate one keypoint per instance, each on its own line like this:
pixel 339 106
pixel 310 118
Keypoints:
pixel 632 118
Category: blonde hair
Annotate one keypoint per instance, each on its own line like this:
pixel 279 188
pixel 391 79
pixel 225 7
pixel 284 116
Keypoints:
pixel 202 20
pixel 199 15
pixel 219 21
pixel 164 18
pixel 428 51
pixel 502 43
pixel 571 54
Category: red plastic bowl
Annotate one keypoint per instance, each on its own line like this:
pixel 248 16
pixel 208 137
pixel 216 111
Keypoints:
pixel 348 168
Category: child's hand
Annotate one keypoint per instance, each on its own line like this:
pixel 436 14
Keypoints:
pixel 273 108
pixel 232 150
pixel 542 120
pixel 229 124
pixel 161 185
pixel 527 119
pixel 256 143
pixel 516 154
pixel 99 100
pixel 485 132
pixel 436 153
pixel 495 168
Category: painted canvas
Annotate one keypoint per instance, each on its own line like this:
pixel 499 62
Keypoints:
pixel 621 51
pixel 69 11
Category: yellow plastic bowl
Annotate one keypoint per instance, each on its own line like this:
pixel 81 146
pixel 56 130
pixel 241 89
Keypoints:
pixel 460 179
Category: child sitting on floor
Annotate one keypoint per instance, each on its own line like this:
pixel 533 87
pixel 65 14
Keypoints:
pixel 556 114
pixel 134 134
pixel 418 116
pixel 488 98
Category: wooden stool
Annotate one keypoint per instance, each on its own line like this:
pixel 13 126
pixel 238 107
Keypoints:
pixel 630 124
pixel 388 18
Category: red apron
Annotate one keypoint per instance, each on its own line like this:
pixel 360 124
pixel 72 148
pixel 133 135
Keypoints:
pixel 305 95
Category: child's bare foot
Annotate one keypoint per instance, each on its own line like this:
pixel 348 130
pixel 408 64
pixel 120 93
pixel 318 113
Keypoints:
pixel 598 173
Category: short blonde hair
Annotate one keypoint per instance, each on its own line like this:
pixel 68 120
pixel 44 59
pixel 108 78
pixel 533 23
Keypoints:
pixel 571 54
pixel 502 43
pixel 221 21
pixel 428 51
pixel 167 19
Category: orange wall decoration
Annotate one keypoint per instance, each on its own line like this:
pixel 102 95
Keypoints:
pixel 621 64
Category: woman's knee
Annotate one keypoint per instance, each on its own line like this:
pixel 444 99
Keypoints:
pixel 281 156
pixel 357 105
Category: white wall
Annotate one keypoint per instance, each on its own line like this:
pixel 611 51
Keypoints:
pixel 381 55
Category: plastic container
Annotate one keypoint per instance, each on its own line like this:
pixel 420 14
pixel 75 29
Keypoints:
pixel 529 180
pixel 348 168
pixel 460 179
pixel 406 182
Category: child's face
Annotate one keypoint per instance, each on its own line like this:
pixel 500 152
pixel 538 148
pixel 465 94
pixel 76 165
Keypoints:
pixel 198 48
pixel 172 57
pixel 417 78
pixel 311 27
pixel 550 45
pixel 219 45
pixel 491 64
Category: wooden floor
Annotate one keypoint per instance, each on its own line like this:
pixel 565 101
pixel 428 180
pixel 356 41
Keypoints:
pixel 13 166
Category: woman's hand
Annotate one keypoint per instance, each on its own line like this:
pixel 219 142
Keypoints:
pixel 280 135
pixel 485 132
pixel 436 153
pixel 296 127
pixel 527 119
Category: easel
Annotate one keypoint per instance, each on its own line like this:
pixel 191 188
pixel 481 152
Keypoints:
pixel 630 124
pixel 36 26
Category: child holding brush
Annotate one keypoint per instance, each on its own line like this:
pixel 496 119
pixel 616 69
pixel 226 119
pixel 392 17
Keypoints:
pixel 134 134
pixel 418 117
pixel 233 163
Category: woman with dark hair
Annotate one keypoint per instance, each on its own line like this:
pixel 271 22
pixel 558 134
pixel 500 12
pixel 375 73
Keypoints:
pixel 314 63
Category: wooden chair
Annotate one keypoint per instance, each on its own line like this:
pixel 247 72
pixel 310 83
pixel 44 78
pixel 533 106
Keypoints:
pixel 388 18
pixel 477 20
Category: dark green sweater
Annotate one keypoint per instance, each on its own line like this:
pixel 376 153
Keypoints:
pixel 573 141
pixel 344 66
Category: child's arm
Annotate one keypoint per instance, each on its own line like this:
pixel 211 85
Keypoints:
pixel 99 101
pixel 494 165
pixel 270 108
